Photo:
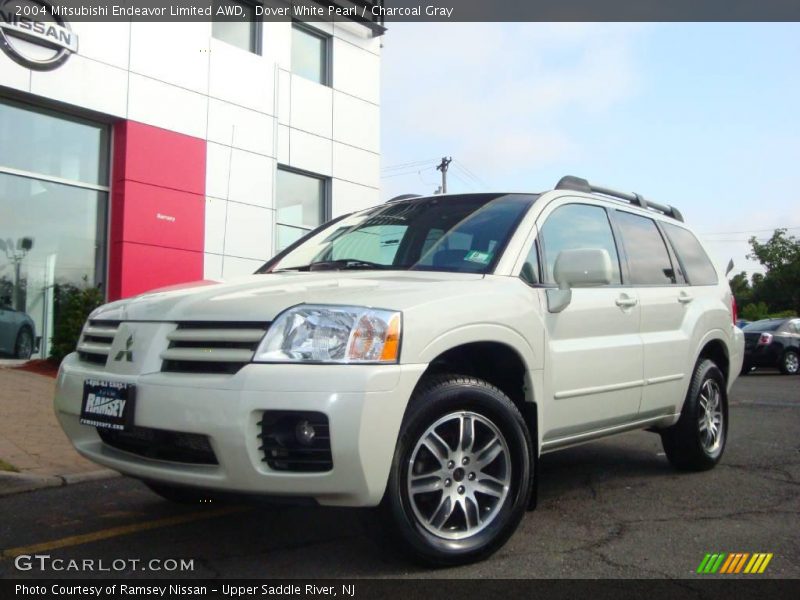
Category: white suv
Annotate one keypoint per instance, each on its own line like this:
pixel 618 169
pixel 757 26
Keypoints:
pixel 420 355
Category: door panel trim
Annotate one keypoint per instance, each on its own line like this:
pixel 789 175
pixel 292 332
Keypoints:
pixel 664 378
pixel 599 389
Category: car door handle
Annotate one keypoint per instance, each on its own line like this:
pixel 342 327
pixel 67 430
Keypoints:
pixel 685 298
pixel 626 302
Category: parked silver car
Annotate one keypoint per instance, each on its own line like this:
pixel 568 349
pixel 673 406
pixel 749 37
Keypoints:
pixel 17 332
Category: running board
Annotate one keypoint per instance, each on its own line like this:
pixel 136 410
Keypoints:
pixel 588 436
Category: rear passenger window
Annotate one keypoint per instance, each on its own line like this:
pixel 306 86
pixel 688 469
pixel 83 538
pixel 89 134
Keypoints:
pixel 647 253
pixel 575 226
pixel 696 265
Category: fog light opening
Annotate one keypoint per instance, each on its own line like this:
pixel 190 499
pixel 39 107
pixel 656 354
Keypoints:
pixel 305 432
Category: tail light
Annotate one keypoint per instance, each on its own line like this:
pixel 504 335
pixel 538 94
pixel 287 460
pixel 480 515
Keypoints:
pixel 765 339
pixel 734 309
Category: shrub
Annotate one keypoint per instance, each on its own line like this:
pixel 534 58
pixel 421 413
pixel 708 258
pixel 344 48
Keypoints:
pixel 72 306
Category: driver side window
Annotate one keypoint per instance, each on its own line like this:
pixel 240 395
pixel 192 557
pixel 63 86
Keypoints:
pixel 575 226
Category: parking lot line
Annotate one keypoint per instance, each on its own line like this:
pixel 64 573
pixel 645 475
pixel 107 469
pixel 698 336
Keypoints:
pixel 111 532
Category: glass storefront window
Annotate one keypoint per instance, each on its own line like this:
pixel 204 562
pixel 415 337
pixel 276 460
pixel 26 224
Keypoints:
pixel 301 206
pixel 53 202
pixel 43 142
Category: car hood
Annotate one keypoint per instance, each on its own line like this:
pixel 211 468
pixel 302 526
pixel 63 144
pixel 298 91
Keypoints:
pixel 263 297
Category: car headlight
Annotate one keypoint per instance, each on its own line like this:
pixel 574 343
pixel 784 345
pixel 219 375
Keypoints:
pixel 336 334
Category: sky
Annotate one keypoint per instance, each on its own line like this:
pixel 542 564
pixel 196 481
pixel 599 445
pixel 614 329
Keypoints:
pixel 703 116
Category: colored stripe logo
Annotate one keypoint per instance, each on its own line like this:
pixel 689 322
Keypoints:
pixel 734 562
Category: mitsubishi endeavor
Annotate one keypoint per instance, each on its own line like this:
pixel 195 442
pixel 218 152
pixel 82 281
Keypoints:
pixel 419 356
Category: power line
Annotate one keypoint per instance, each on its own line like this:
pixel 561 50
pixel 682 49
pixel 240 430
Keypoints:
pixel 407 164
pixel 460 164
pixel 411 172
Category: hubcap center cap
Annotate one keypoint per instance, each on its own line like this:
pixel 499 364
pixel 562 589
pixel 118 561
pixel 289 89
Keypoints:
pixel 458 474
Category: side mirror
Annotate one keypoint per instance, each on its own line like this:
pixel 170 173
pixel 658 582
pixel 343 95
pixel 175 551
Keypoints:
pixel 580 267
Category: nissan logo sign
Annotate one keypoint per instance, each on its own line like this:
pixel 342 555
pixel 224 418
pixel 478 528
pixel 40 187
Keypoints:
pixel 33 34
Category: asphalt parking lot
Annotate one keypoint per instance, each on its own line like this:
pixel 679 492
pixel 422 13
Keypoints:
pixel 609 509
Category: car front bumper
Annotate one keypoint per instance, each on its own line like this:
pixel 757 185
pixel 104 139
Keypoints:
pixel 364 405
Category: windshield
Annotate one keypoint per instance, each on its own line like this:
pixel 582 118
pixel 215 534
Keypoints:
pixel 462 234
pixel 764 325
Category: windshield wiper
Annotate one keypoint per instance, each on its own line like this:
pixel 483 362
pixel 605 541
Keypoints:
pixel 338 265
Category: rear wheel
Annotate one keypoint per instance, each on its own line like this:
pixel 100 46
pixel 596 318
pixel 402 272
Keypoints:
pixel 460 479
pixel 790 363
pixel 696 442
pixel 24 345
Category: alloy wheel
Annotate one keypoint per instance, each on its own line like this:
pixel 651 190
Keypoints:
pixel 711 417
pixel 791 363
pixel 459 475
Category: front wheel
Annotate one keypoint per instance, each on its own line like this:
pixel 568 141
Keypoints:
pixel 696 442
pixel 790 364
pixel 461 475
pixel 24 345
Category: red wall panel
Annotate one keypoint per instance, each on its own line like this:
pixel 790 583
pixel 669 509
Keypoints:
pixel 146 267
pixel 162 216
pixel 161 157
pixel 157 209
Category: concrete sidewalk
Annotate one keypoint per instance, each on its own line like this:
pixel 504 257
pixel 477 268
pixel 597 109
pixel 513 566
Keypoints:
pixel 31 440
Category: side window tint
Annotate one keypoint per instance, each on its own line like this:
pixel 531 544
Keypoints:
pixel 647 253
pixel 697 265
pixel 574 226
pixel 530 270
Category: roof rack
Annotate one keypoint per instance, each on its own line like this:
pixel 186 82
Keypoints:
pixel 577 184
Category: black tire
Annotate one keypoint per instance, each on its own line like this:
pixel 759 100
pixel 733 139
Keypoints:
pixel 686 444
pixel 459 397
pixel 23 347
pixel 180 494
pixel 790 363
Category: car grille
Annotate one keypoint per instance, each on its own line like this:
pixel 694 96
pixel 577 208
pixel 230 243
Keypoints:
pixel 95 342
pixel 161 444
pixel 282 449
pixel 211 347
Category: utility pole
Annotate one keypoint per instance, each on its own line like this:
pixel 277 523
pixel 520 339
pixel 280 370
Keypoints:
pixel 442 166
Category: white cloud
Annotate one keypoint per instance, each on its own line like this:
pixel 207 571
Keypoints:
pixel 501 95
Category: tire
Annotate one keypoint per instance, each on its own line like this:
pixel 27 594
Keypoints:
pixel 23 347
pixel 180 494
pixel 691 444
pixel 486 504
pixel 790 363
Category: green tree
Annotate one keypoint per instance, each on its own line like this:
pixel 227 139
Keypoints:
pixel 779 288
pixel 742 291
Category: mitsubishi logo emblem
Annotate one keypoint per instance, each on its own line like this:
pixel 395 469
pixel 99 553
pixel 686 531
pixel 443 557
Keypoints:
pixel 127 354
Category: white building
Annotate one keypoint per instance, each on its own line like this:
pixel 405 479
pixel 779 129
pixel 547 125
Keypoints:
pixel 159 153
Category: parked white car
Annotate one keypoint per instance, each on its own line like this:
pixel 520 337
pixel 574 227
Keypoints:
pixel 420 355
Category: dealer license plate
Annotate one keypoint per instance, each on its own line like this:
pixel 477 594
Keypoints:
pixel 108 404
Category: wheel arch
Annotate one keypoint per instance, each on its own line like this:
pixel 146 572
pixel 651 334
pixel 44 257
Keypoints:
pixel 501 364
pixel 716 350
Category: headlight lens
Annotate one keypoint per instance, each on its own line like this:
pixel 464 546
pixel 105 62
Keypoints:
pixel 339 334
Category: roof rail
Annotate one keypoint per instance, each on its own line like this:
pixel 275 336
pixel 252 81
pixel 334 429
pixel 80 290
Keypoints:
pixel 403 197
pixel 577 184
